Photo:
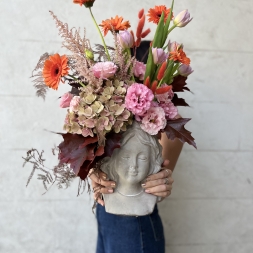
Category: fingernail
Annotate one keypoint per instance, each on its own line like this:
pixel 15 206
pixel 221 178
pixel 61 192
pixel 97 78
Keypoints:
pixel 147 191
pixel 143 185
pixel 113 185
pixel 110 190
pixel 104 177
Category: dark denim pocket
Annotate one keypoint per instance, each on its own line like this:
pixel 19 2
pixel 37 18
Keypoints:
pixel 157 225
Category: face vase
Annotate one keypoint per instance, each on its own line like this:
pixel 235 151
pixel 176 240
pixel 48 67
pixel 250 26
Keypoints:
pixel 140 155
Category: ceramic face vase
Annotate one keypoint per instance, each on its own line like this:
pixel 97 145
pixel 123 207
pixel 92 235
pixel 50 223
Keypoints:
pixel 140 155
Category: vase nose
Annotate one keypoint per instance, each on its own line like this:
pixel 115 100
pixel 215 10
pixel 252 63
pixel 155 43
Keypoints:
pixel 133 168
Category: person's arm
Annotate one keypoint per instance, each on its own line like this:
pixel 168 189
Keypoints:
pixel 171 151
pixel 160 184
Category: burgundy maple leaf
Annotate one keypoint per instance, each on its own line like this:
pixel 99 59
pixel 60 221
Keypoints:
pixel 175 129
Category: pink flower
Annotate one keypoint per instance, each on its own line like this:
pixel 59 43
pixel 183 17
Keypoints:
pixel 159 56
pixel 125 39
pixel 185 70
pixel 182 19
pixel 104 70
pixel 65 100
pixel 165 97
pixel 169 109
pixel 139 70
pixel 154 120
pixel 138 98
pixel 74 103
pixel 174 46
pixel 87 132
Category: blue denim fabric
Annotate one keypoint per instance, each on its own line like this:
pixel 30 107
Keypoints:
pixel 129 234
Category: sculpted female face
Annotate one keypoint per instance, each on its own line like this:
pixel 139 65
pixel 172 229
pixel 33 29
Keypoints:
pixel 133 161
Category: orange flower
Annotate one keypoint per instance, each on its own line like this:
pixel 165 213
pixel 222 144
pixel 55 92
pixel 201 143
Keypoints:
pixel 55 67
pixel 156 13
pixel 179 55
pixel 114 24
pixel 87 3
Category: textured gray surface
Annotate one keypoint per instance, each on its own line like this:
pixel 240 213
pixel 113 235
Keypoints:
pixel 210 209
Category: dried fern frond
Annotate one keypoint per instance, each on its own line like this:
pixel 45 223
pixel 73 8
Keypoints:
pixel 100 51
pixel 38 82
pixel 61 175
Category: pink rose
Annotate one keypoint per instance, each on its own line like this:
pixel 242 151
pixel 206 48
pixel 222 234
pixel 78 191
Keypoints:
pixel 74 103
pixel 154 120
pixel 138 98
pixel 65 100
pixel 104 70
pixel 165 97
pixel 139 70
pixel 169 109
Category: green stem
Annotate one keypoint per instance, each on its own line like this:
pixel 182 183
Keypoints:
pixel 173 27
pixel 77 80
pixel 101 36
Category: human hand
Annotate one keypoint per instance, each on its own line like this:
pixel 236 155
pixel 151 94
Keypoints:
pixel 100 185
pixel 160 184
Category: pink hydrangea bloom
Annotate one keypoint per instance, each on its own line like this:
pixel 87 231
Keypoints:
pixel 154 120
pixel 138 99
pixel 74 103
pixel 139 69
pixel 170 110
pixel 104 70
pixel 165 97
pixel 65 100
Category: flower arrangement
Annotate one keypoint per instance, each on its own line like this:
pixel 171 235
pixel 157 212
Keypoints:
pixel 111 88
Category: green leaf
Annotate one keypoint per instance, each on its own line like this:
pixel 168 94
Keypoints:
pixel 168 72
pixel 167 24
pixel 157 42
pixel 150 66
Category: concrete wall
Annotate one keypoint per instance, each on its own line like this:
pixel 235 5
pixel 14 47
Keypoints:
pixel 211 207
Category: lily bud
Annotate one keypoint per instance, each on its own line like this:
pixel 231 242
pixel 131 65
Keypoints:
pixel 89 54
pixel 185 70
pixel 159 56
pixel 182 19
pixel 125 39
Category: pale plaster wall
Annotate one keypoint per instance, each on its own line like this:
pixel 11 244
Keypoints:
pixel 211 206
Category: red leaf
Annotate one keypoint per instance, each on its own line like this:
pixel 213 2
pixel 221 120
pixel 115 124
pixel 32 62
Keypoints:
pixel 154 86
pixel 161 71
pixel 141 13
pixel 112 142
pixel 179 84
pixel 147 82
pixel 178 101
pixel 145 33
pixel 162 90
pixel 76 149
pixel 175 129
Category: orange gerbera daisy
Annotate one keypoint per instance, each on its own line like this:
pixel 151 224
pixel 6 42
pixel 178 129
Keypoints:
pixel 87 3
pixel 156 13
pixel 114 24
pixel 55 67
pixel 179 55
